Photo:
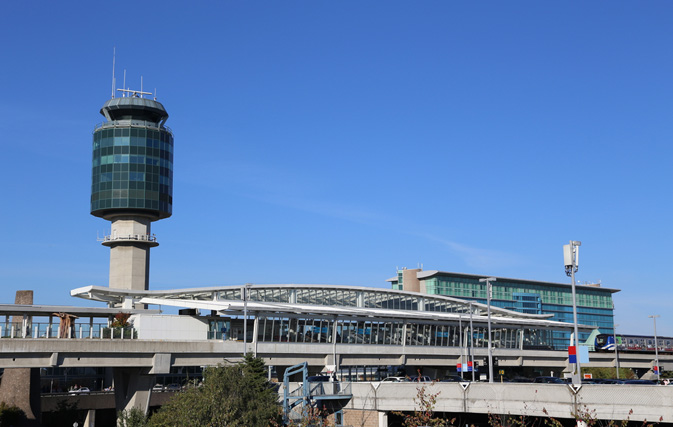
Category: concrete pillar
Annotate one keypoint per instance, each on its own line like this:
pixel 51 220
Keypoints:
pixel 130 242
pixel 383 419
pixel 133 387
pixel 21 386
pixel 90 420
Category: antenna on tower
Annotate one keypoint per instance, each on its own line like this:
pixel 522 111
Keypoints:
pixel 155 94
pixel 113 70
pixel 124 80
pixel 141 86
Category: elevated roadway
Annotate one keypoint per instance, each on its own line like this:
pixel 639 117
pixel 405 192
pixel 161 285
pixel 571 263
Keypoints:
pixel 161 355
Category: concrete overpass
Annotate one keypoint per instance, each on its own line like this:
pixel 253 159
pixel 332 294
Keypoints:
pixel 377 400
pixel 560 401
pixel 160 355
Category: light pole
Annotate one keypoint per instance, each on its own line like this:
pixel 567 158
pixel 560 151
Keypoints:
pixel 616 348
pixel 656 346
pixel 460 343
pixel 245 318
pixel 471 342
pixel 570 257
pixel 488 308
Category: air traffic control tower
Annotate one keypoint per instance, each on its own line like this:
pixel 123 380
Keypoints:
pixel 132 182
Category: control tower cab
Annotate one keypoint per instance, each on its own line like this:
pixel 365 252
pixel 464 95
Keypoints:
pixel 132 182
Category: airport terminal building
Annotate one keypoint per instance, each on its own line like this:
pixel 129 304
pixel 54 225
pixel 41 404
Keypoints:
pixel 594 302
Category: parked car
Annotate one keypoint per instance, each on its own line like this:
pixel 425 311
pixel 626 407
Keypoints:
pixel 612 381
pixel 640 382
pixel 80 390
pixel 173 387
pixel 158 387
pixel 421 379
pixel 549 380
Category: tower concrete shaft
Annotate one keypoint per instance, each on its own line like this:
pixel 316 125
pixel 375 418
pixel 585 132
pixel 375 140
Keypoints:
pixel 130 242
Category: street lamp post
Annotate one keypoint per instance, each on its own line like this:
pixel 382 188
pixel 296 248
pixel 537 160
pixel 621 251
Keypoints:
pixel 246 288
pixel 471 342
pixel 656 346
pixel 488 309
pixel 570 255
pixel 460 343
pixel 616 348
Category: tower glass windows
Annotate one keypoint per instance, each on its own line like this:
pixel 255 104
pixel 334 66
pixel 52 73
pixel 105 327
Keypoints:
pixel 132 168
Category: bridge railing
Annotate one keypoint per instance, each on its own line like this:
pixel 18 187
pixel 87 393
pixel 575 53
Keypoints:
pixel 318 389
pixel 79 330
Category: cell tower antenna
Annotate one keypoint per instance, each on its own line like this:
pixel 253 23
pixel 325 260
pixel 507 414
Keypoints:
pixel 155 94
pixel 124 81
pixel 141 86
pixel 113 70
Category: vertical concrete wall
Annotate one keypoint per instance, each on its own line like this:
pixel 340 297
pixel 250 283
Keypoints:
pixel 21 386
pixel 129 261
pixel 133 388
pixel 170 327
pixel 410 280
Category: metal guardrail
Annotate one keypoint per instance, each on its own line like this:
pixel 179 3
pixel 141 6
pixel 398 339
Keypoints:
pixel 141 237
pixel 79 331
pixel 126 123
pixel 321 389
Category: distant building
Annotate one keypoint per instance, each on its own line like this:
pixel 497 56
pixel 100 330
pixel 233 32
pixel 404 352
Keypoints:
pixel 594 303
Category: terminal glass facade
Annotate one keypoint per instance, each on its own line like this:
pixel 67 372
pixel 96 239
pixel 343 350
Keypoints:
pixel 594 304
pixel 315 329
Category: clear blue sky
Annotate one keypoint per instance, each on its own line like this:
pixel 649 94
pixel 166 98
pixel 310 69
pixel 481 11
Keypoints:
pixel 333 141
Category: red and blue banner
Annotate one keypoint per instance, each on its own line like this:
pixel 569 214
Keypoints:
pixel 572 354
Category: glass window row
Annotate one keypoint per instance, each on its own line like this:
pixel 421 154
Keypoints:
pixel 505 291
pixel 370 332
pixel 131 203
pixel 132 185
pixel 129 159
pixel 126 167
pixel 124 131
pixel 143 151
pixel 127 194
pixel 126 142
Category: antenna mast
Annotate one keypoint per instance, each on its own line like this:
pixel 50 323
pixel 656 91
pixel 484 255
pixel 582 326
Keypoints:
pixel 113 70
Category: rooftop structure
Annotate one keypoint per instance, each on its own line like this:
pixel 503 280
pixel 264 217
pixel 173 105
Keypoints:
pixel 341 315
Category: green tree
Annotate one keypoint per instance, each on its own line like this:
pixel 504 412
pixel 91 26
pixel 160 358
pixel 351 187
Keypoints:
pixel 236 395
pixel 134 417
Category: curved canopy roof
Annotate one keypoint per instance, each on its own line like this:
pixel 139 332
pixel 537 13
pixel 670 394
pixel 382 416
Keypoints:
pixel 320 300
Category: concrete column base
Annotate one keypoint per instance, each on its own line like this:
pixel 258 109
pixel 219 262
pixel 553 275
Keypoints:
pixel 90 418
pixel 133 387
pixel 383 419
